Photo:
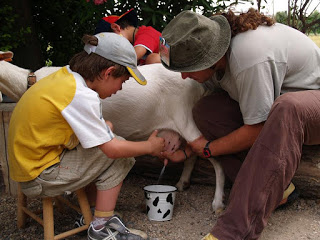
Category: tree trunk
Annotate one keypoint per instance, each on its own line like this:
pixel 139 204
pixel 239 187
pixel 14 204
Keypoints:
pixel 289 14
pixel 306 179
pixel 259 5
pixel 28 56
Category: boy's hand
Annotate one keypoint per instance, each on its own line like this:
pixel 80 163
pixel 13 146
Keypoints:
pixel 156 144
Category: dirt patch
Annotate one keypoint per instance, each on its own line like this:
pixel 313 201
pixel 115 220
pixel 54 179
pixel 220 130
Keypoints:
pixel 192 217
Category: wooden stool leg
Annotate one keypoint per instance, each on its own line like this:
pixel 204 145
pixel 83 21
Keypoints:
pixel 84 206
pixel 48 220
pixel 48 217
pixel 22 203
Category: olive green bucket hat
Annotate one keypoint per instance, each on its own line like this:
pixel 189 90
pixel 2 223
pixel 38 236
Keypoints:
pixel 192 42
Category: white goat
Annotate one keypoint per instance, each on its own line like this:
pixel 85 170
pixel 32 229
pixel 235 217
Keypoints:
pixel 164 103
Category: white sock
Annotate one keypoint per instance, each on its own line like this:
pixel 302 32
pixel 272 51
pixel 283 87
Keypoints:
pixel 99 222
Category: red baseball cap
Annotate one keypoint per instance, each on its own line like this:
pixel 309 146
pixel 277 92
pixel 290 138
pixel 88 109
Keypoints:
pixel 104 25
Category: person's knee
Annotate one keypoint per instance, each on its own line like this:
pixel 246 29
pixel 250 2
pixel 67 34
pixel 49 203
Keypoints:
pixel 203 113
pixel 198 112
pixel 288 103
pixel 217 114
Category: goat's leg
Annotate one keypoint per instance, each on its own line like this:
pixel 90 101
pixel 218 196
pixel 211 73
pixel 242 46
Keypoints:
pixel 184 181
pixel 217 203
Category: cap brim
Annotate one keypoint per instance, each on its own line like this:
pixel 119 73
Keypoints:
pixel 136 74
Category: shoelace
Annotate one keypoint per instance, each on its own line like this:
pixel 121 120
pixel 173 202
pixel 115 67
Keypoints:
pixel 111 235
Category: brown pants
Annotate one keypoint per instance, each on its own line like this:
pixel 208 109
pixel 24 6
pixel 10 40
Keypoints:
pixel 270 164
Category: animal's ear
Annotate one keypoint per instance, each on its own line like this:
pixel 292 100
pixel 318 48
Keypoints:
pixel 6 56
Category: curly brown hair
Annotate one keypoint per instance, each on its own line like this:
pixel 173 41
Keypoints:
pixel 246 21
pixel 90 66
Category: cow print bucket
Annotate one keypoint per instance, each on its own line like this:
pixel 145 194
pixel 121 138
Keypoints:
pixel 160 201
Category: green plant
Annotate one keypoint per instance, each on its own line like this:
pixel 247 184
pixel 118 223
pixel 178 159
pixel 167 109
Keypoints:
pixel 61 24
pixel 12 36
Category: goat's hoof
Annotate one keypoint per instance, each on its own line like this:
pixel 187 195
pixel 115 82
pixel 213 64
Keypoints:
pixel 182 186
pixel 218 208
pixel 219 211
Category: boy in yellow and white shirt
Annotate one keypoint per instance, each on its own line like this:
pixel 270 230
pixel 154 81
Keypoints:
pixel 63 109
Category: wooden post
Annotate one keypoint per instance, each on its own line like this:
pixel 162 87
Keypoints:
pixel 5 115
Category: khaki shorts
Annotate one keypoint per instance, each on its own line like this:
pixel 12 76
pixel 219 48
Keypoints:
pixel 77 168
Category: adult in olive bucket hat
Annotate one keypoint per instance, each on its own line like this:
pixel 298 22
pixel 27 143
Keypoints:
pixel 270 74
pixel 202 41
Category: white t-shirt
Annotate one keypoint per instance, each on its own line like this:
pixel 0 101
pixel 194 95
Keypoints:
pixel 267 62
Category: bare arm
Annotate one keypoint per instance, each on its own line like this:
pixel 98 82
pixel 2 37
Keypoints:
pixel 140 51
pixel 237 141
pixel 121 148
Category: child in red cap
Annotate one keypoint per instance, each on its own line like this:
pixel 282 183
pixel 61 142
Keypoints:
pixel 145 39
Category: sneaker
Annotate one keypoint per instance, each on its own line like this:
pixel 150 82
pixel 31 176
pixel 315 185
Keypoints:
pixel 114 229
pixel 80 220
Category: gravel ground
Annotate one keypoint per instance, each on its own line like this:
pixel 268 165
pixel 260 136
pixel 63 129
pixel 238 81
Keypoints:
pixel 192 217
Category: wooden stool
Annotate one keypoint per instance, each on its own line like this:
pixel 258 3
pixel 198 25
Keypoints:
pixel 47 210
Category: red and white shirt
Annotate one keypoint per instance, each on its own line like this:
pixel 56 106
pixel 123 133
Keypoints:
pixel 147 37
